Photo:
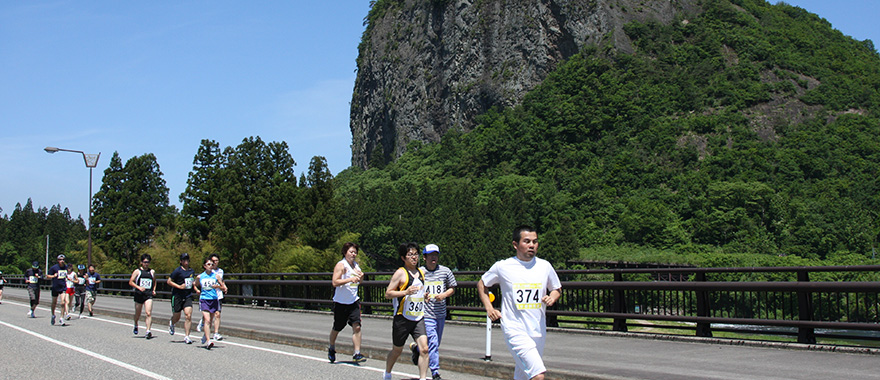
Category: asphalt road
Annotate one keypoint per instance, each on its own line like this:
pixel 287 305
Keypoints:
pixel 104 347
pixel 284 334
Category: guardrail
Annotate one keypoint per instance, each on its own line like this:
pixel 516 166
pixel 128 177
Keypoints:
pixel 701 300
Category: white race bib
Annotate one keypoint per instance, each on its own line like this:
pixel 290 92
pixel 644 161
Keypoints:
pixel 91 281
pixel 32 279
pixel 146 283
pixel 527 296
pixel 188 283
pixel 416 307
pixel 435 287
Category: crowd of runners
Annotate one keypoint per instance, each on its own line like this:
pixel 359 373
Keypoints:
pixel 418 294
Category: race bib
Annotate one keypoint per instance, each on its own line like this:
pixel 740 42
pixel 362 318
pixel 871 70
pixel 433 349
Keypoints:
pixel 527 296
pixel 91 281
pixel 416 307
pixel 62 273
pixel 188 283
pixel 82 281
pixel 208 283
pixel 146 283
pixel 435 287
pixel 32 279
pixel 1 282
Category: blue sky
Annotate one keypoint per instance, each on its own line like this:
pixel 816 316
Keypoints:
pixel 159 76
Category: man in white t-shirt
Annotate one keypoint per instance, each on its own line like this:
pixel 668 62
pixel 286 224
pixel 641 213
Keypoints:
pixel 528 286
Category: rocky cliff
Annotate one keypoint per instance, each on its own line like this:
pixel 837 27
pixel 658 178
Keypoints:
pixel 426 67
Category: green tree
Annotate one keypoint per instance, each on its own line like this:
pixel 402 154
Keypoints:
pixel 202 186
pixel 132 203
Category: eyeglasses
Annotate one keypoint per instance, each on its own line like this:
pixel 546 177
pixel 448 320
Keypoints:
pixel 411 254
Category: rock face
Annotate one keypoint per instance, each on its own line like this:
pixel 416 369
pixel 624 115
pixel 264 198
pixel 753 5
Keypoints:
pixel 426 67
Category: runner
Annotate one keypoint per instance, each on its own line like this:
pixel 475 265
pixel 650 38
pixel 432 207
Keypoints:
pixel 143 280
pixel 72 279
pixel 58 274
pixel 440 284
pixel 347 275
pixel 2 283
pixel 32 279
pixel 93 279
pixel 528 286
pixel 181 283
pixel 208 302
pixel 407 291
pixel 216 259
pixel 79 289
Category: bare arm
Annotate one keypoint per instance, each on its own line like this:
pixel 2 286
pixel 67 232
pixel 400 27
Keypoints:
pixel 133 284
pixel 483 292
pixel 392 292
pixel 339 270
pixel 551 298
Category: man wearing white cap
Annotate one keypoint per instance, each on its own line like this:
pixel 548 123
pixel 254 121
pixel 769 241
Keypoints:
pixel 439 285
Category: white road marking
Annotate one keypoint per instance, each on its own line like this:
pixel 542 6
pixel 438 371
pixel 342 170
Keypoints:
pixel 87 352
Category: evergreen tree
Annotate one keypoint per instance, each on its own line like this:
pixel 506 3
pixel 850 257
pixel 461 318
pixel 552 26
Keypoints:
pixel 199 202
pixel 132 203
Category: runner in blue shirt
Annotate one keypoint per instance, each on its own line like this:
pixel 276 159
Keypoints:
pixel 209 304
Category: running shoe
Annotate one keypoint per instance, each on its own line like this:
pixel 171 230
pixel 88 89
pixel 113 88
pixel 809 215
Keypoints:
pixel 170 328
pixel 201 325
pixel 90 314
pixel 149 335
pixel 436 376
pixel 331 354
pixel 67 317
pixel 218 336
pixel 204 339
pixel 62 322
pixel 80 316
pixel 415 353
pixel 135 331
pixel 53 320
pixel 210 345
pixel 187 340
pixel 358 358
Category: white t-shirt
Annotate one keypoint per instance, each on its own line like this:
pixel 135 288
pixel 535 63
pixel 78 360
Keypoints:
pixel 219 276
pixel 523 285
pixel 347 293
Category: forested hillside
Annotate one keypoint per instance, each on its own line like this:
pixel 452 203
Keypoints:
pixel 747 129
pixel 745 135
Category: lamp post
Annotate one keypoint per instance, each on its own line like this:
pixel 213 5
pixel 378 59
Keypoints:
pixel 91 161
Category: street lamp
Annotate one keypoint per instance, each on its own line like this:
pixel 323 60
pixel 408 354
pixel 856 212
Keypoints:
pixel 91 161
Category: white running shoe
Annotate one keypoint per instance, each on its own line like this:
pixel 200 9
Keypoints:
pixel 201 324
pixel 217 337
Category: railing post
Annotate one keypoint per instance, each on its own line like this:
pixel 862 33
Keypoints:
pixel 365 296
pixel 805 310
pixel 619 305
pixel 704 329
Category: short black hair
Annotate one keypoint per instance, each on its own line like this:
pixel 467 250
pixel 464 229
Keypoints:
pixel 517 232
pixel 146 256
pixel 403 248
pixel 213 255
pixel 347 246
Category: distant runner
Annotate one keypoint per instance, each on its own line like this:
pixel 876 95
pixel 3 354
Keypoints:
pixel 92 281
pixel 347 276
pixel 143 280
pixel 32 279
pixel 181 283
pixel 207 287
pixel 58 274
pixel 407 292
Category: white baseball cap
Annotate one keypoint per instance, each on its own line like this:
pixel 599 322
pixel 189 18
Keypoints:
pixel 430 248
